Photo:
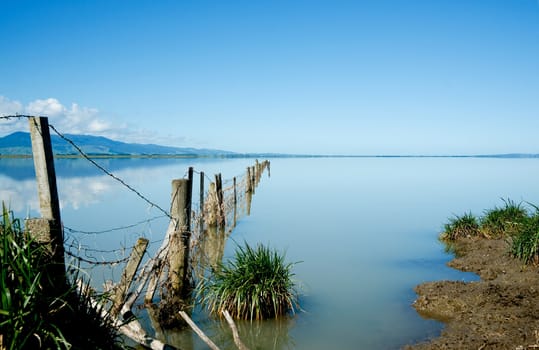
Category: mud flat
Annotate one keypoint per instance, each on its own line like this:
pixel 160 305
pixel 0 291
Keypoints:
pixel 500 311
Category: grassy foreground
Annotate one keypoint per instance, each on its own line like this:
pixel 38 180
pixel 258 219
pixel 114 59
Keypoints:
pixel 32 318
pixel 515 222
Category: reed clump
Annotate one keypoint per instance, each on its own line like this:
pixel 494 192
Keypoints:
pixel 466 225
pixel 255 284
pixel 504 221
pixel 513 222
pixel 32 318
pixel 525 244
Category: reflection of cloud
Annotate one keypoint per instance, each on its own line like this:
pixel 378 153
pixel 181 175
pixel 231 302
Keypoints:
pixel 19 196
pixel 78 192
pixel 75 193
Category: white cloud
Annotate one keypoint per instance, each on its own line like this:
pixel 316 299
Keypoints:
pixel 8 107
pixel 76 119
pixel 50 107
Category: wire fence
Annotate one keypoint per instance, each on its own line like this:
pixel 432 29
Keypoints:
pixel 212 219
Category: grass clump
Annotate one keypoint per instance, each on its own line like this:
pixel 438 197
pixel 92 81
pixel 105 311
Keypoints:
pixel 30 316
pixel 461 226
pixel 513 222
pixel 504 221
pixel 525 244
pixel 256 284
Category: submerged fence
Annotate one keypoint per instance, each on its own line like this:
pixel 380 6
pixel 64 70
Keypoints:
pixel 193 242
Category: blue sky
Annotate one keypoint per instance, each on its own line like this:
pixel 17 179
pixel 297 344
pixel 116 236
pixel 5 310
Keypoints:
pixel 314 76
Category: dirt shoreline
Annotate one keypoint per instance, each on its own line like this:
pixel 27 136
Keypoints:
pixel 501 311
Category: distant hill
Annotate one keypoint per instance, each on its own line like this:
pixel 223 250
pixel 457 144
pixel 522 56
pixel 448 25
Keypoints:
pixel 19 144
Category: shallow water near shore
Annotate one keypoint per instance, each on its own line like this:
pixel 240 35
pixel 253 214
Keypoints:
pixel 363 231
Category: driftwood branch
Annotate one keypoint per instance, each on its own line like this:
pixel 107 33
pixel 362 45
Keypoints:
pixel 235 332
pixel 198 331
pixel 132 329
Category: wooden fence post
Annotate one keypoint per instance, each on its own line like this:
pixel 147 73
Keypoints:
pixel 127 276
pixel 202 201
pixel 51 233
pixel 179 240
pixel 235 202
pixel 248 179
pixel 253 181
pixel 220 199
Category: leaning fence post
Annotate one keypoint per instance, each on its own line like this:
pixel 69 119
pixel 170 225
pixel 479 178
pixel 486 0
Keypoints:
pixel 127 275
pixel 51 233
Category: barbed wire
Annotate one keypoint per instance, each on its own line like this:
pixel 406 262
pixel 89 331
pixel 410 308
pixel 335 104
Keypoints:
pixel 72 230
pixel 17 116
pixel 84 155
pixel 108 172
pixel 231 199
pixel 88 261
pixel 122 250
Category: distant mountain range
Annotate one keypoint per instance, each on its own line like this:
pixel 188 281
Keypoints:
pixel 19 144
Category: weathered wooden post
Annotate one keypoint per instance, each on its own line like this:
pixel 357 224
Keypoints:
pixel 201 201
pixel 48 230
pixel 253 181
pixel 220 200
pixel 258 171
pixel 179 240
pixel 248 180
pixel 120 292
pixel 235 202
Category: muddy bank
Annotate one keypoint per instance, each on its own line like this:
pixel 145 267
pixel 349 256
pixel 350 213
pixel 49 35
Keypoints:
pixel 501 311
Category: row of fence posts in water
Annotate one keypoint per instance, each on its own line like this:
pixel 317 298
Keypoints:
pixel 173 265
pixel 212 214
pixel 174 254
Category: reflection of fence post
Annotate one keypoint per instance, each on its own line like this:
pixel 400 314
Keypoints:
pixel 249 199
pixel 179 240
pixel 49 229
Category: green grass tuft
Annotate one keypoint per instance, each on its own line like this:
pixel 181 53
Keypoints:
pixel 505 221
pixel 525 244
pixel 256 284
pixel 512 222
pixel 30 318
pixel 461 226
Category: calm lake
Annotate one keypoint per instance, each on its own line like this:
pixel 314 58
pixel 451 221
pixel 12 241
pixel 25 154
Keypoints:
pixel 364 231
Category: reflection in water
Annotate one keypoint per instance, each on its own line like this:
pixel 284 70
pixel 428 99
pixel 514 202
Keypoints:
pixel 74 192
pixel 366 233
pixel 268 334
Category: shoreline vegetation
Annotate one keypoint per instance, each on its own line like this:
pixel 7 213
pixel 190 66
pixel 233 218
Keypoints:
pixel 38 313
pixel 501 310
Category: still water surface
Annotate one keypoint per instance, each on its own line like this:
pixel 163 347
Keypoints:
pixel 363 229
